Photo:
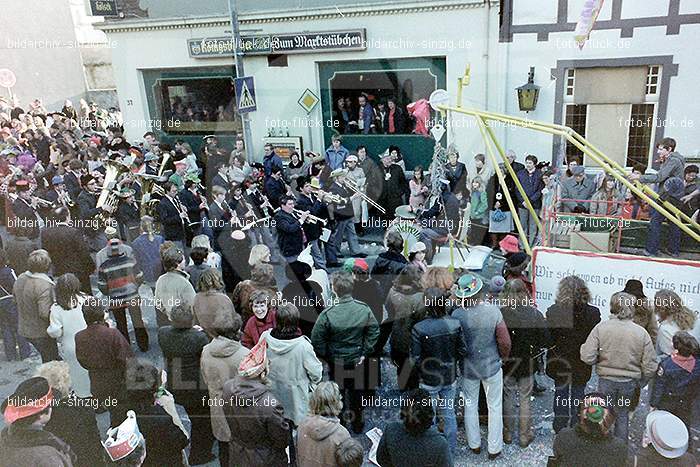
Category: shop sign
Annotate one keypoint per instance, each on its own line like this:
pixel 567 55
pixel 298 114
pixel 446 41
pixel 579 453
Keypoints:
pixel 104 7
pixel 305 42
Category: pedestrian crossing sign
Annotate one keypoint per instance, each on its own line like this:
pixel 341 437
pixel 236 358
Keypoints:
pixel 245 94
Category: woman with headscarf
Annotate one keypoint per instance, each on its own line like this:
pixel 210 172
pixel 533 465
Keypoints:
pixel 259 431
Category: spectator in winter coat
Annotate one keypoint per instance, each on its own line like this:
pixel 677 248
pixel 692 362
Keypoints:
pixel 182 347
pixel 71 421
pixel 156 416
pixel 437 352
pixel 336 153
pixel 415 442
pixel 261 278
pixel 294 369
pixel 259 432
pixel 530 179
pixel 488 343
pixel 387 266
pixel 173 287
pixel 570 321
pixel 528 335
pixel 24 441
pixel 210 301
pixel 320 434
pixel 220 361
pixel 674 316
pixel 590 443
pixel 104 353
pixel 263 318
pixel 344 335
pixel 16 346
pixel 624 358
pixel 405 307
pixel 677 382
pixel 644 314
pixel 146 248
pixel 33 291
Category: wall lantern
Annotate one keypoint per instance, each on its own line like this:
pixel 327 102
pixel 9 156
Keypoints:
pixel 528 93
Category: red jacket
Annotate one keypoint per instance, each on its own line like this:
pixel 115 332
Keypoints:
pixel 255 327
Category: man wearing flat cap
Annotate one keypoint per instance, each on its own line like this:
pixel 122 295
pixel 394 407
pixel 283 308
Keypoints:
pixel 576 189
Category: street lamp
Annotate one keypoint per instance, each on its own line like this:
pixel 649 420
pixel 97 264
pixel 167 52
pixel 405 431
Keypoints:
pixel 528 93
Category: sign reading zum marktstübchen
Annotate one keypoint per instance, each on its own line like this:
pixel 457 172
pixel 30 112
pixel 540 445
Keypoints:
pixel 305 42
pixel 104 7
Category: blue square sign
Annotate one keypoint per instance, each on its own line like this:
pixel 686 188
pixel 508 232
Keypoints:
pixel 245 94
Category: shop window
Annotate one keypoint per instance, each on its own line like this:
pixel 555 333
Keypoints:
pixel 641 129
pixel 197 105
pixel 277 60
pixel 576 120
pixel 386 92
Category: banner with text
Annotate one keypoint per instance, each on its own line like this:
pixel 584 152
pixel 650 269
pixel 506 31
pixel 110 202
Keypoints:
pixel 607 273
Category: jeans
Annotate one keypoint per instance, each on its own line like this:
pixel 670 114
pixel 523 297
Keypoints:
pixel 528 223
pixel 10 337
pixel 654 238
pixel 317 255
pixel 443 400
pixel 620 394
pixel 523 386
pixel 343 227
pixel 493 386
pixel 47 348
pixel 568 399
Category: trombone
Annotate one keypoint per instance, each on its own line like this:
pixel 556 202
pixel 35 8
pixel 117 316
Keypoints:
pixel 352 186
pixel 35 199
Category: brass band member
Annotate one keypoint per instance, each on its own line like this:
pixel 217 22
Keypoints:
pixel 87 202
pixel 308 201
pixel 28 221
pixel 357 176
pixel 172 215
pixel 342 214
pixel 128 215
pixel 72 178
pixel 219 215
pixel 275 187
pixel 195 203
pixel 290 234
pixel 244 213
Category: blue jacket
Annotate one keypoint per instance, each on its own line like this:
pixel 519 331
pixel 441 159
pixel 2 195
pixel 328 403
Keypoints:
pixel 675 388
pixel 273 160
pixel 532 184
pixel 335 158
pixel 367 118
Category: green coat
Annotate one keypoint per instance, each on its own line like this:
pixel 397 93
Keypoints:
pixel 345 331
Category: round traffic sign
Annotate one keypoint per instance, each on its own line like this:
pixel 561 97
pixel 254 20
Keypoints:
pixel 439 97
pixel 7 78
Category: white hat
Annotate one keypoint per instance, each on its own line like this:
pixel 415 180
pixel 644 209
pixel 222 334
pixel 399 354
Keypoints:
pixel 416 247
pixel 667 434
pixel 122 440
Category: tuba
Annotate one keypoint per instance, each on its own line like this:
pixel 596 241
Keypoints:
pixel 150 191
pixel 113 171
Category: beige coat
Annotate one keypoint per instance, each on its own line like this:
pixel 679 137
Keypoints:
pixel 318 438
pixel 34 296
pixel 207 306
pixel 173 288
pixel 219 363
pixel 620 349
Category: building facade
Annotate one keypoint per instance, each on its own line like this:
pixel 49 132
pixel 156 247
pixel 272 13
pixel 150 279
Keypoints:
pixel 631 84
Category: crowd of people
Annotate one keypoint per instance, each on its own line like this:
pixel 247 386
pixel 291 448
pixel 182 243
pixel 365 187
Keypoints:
pixel 274 372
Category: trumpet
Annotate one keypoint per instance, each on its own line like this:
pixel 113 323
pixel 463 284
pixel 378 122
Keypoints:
pixel 331 197
pixel 64 200
pixel 310 218
pixel 35 200
pixel 350 185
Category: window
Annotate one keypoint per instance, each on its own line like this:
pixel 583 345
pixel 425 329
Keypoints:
pixel 640 132
pixel 197 105
pixel 576 120
pixel 653 76
pixel 383 91
pixel 570 81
